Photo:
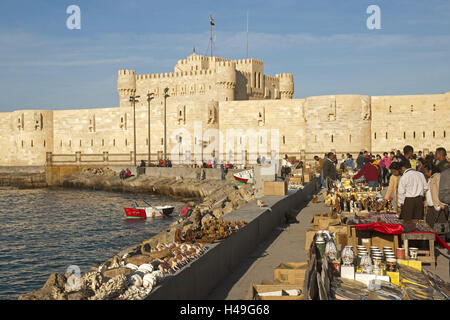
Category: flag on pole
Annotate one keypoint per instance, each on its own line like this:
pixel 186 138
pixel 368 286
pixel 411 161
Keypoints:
pixel 211 20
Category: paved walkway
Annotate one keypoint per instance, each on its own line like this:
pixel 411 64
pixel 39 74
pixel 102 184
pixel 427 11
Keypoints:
pixel 286 244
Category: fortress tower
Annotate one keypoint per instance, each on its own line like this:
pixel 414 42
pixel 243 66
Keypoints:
pixel 226 80
pixel 126 86
pixel 286 83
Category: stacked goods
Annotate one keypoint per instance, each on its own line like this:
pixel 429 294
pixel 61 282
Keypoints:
pixel 216 230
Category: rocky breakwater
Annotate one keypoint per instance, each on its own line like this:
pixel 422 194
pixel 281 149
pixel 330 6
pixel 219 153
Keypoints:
pixel 134 272
pixel 176 187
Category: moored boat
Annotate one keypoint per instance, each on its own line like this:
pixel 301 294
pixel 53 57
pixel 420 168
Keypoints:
pixel 244 176
pixel 149 212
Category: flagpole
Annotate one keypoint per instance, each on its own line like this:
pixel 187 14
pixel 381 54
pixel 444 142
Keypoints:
pixel 210 37
pixel 247 36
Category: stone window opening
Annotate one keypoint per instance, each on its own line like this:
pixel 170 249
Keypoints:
pixel 434 107
pixel 44 143
pixel 126 142
pixel 103 142
pixel 444 133
pixel 375 136
pixel 332 138
pixel 404 135
pixel 92 143
pixel 414 134
pixel 434 134
pixel 22 143
pixel 32 144
pixel 386 135
pixel 390 109
pixel 412 108
pixel 60 143
pixel 114 142
pixel 423 134
pixel 70 143
pixel 80 142
pixel 284 139
pixel 162 141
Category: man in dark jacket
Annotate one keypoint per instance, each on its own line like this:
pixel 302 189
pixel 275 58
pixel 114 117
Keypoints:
pixel 444 186
pixel 441 156
pixel 360 161
pixel 329 169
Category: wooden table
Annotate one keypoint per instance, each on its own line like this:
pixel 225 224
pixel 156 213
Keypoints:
pixel 429 256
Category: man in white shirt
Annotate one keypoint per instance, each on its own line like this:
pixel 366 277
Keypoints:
pixel 411 190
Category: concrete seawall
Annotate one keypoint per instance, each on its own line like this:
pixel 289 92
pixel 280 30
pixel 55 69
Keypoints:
pixel 23 177
pixel 201 276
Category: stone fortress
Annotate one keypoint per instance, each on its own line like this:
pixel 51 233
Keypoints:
pixel 229 96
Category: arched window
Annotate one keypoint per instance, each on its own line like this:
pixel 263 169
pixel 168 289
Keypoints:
pixel 434 107
pixel 284 139
pixel 80 142
pixel 434 134
pixel 103 142
pixel 386 135
pixel 412 108
pixel 404 135
pixel 332 138
pixel 375 135
pixel 114 142
pixel 390 108
pixel 414 134
pixel 423 134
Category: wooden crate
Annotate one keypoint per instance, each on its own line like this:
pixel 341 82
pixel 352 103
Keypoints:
pixel 309 238
pixel 260 288
pixel 290 272
pixel 275 188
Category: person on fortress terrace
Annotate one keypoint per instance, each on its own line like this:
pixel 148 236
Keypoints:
pixel 329 170
pixel 360 161
pixel 436 211
pixel 370 173
pixel 441 157
pixel 392 190
pixel 411 190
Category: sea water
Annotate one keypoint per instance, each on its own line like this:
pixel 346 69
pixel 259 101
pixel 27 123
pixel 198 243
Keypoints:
pixel 44 231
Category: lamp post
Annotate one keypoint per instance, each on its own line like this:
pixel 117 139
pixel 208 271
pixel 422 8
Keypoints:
pixel 166 95
pixel 149 99
pixel 133 100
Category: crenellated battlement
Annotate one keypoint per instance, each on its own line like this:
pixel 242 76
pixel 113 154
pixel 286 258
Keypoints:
pixel 289 76
pixel 249 61
pixel 127 72
pixel 171 75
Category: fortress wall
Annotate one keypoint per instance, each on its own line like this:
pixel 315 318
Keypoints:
pixel 27 136
pixel 422 128
pixel 8 147
pixel 337 123
pixel 285 116
pixel 95 128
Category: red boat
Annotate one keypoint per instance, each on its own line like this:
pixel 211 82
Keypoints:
pixel 134 213
pixel 148 212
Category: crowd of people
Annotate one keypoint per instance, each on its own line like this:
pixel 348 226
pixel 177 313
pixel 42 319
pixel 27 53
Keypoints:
pixel 418 185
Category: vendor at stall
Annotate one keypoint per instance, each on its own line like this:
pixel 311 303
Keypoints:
pixel 370 173
pixel 392 190
pixel 411 190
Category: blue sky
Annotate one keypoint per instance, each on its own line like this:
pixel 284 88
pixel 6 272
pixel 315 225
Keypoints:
pixel 324 43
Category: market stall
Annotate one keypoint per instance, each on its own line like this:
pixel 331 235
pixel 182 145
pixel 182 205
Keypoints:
pixel 360 249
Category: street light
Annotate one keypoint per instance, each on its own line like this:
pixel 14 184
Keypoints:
pixel 149 99
pixel 133 100
pixel 166 95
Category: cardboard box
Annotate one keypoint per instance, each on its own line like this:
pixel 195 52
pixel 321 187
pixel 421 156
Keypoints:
pixel 309 238
pixel 395 277
pixel 367 277
pixel 325 222
pixel 275 188
pixel 416 264
pixel 341 240
pixel 260 288
pixel 290 272
pixel 337 229
pixel 348 272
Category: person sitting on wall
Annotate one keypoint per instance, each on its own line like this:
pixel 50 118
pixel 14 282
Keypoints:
pixel 142 164
pixel 169 163
pixel 122 174
pixel 128 174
